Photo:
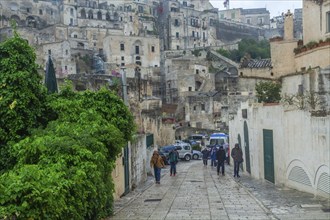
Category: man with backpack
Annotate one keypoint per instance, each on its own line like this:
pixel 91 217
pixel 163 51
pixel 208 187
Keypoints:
pixel 173 159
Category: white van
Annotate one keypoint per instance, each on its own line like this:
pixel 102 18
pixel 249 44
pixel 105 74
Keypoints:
pixel 220 139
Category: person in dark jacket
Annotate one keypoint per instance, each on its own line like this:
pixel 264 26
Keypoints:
pixel 173 158
pixel 237 155
pixel 205 153
pixel 221 157
pixel 213 156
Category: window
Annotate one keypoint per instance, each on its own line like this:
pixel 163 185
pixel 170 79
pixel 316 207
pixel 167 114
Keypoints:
pixel 122 64
pixel 66 52
pixel 66 67
pixel 328 22
pixel 71 21
pixel 122 47
pixel 176 22
pixel 28 10
pixel 184 3
pixel 152 48
pixel 75 36
pixel 195 108
pixel 193 33
pixel 71 11
pixel 137 50
pixel 94 36
pixel 189 88
pixel 49 52
pixel 260 21
pixel 40 11
pixel 186 147
pixel 203 107
pixel 197 71
pixel 122 58
pixel 177 34
pixel 248 21
pixel 130 18
pixel 177 47
pixel 140 8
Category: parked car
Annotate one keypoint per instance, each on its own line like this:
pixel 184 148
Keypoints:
pixel 184 150
pixel 165 151
pixel 196 154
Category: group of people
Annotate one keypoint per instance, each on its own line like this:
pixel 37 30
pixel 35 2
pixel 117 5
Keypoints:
pixel 157 163
pixel 219 155
pixel 218 158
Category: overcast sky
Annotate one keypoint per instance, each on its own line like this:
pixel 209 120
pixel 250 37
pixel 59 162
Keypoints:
pixel 275 7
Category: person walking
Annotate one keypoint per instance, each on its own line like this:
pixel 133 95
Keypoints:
pixel 237 156
pixel 173 159
pixel 213 156
pixel 221 157
pixel 157 163
pixel 206 154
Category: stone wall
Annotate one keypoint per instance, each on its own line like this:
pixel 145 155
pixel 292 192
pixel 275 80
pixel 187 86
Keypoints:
pixel 300 145
pixel 139 161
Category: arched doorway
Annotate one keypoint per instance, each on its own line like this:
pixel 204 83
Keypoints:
pixel 247 147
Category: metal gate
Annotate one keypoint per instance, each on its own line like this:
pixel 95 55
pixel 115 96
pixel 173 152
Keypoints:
pixel 247 147
pixel 268 155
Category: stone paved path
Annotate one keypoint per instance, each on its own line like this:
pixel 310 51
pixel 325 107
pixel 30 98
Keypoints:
pixel 198 193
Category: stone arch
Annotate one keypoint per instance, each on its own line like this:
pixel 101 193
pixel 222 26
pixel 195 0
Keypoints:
pixel 83 13
pixel 90 14
pixel 31 21
pixel 16 18
pixel 99 15
pixel 296 172
pixel 198 85
pixel 128 8
pixel 107 16
pixel 322 179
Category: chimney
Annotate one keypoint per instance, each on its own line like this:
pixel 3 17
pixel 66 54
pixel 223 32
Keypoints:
pixel 288 26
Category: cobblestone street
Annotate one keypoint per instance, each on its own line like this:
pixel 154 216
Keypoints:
pixel 197 192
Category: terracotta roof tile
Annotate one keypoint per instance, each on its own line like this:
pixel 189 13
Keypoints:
pixel 257 63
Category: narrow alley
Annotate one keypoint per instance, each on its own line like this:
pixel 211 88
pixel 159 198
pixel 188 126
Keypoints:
pixel 197 192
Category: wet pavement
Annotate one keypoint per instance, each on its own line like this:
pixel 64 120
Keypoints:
pixel 197 192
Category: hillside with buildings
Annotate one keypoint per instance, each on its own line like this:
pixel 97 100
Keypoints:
pixel 176 81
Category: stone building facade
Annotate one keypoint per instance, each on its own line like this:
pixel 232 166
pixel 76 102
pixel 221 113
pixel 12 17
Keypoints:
pixel 257 16
pixel 287 143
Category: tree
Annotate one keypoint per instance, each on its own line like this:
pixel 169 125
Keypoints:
pixel 256 50
pixel 22 96
pixel 64 170
pixel 50 77
pixel 268 92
